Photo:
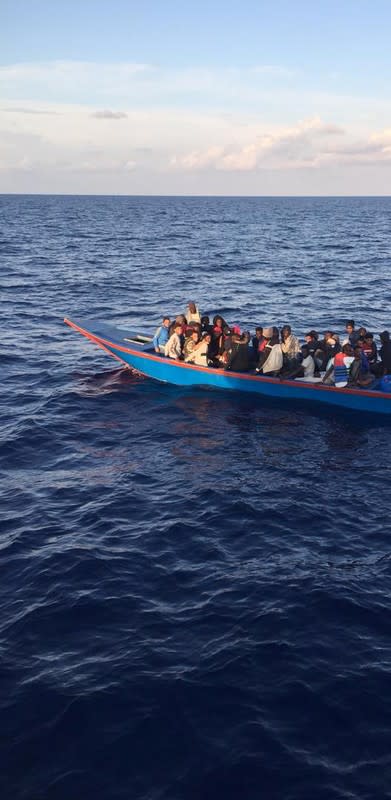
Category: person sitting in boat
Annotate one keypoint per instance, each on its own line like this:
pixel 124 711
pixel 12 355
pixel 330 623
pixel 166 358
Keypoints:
pixel 181 320
pixel 369 348
pixel 217 344
pixel 173 348
pixel 385 352
pixel 361 335
pixel 238 355
pixel 206 327
pixel 192 313
pixel 161 336
pixel 312 341
pixel 306 366
pixel 337 372
pixel 290 347
pixel 270 359
pixel 190 342
pixel 327 349
pixel 258 344
pixel 352 336
pixel 359 373
pixel 200 353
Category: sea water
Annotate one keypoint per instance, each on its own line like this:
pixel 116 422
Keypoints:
pixel 195 586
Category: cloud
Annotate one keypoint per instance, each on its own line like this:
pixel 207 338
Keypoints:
pixel 284 148
pixel 16 110
pixel 106 114
pixel 311 143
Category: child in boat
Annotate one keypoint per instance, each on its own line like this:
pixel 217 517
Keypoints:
pixel 173 348
pixel 161 337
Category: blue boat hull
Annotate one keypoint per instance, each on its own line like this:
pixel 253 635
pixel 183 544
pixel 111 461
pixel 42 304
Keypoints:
pixel 136 351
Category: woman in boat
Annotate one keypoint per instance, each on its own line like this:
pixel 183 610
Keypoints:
pixel 217 344
pixel 190 342
pixel 200 352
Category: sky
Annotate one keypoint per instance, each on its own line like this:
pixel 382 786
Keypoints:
pixel 275 97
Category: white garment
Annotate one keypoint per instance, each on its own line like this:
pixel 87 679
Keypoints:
pixel 274 361
pixel 308 365
pixel 199 356
pixel 173 347
pixel 193 317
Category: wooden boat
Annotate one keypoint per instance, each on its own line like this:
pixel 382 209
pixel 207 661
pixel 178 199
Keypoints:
pixel 136 350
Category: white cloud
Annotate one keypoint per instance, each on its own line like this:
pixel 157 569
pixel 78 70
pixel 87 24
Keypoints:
pixel 311 143
pixel 106 114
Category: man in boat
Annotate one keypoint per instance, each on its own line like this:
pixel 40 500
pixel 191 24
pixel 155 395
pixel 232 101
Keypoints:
pixel 161 336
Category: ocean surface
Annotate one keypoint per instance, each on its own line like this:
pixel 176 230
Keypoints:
pixel 195 587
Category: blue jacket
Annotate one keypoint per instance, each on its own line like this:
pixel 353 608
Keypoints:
pixel 161 336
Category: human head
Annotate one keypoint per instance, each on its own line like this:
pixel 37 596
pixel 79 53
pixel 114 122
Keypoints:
pixel 362 331
pixel 218 321
pixel 286 331
pixel 207 338
pixel 327 335
pixel 311 336
pixel 357 352
pixel 384 337
pixel 205 320
pixel 347 349
pixel 349 327
pixel 178 328
pixel 166 322
pixel 368 337
pixel 268 332
pixel 305 351
pixel 192 307
pixel 180 319
pixel 258 332
pixel 194 336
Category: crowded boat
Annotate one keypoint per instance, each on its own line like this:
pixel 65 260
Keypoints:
pixel 353 359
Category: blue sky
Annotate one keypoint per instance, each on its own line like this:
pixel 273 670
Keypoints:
pixel 182 95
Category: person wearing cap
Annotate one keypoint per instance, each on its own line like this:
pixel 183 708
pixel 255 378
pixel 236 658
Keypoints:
pixel 270 359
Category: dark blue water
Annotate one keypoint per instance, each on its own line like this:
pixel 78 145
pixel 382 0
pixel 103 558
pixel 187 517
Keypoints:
pixel 195 588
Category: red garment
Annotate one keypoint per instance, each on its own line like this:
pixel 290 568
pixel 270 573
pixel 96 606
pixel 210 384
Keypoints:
pixel 339 359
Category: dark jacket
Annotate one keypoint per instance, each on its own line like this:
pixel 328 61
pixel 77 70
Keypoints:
pixel 238 357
